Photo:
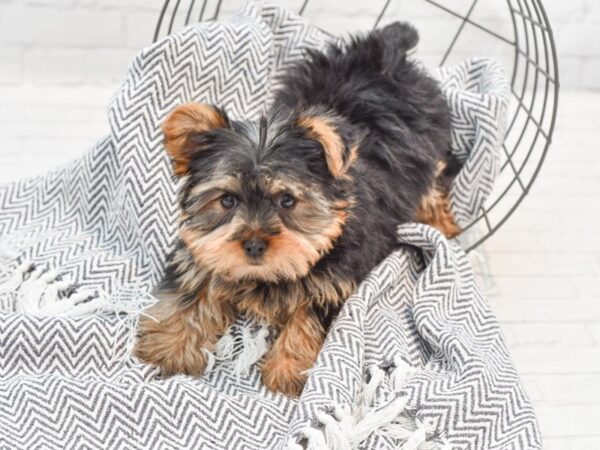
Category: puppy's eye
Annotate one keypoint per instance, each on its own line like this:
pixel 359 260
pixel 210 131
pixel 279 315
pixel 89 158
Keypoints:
pixel 287 201
pixel 228 201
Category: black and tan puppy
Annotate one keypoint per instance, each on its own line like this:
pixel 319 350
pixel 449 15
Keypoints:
pixel 281 219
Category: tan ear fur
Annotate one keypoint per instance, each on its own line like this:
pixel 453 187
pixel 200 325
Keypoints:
pixel 322 129
pixel 185 120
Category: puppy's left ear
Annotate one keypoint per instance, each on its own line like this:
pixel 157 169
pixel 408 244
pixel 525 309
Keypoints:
pixel 336 136
pixel 185 122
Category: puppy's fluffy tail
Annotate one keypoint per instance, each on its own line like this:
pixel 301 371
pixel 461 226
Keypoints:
pixel 395 40
pixel 400 36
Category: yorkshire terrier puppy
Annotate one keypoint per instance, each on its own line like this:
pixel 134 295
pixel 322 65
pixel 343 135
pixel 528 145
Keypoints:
pixel 282 218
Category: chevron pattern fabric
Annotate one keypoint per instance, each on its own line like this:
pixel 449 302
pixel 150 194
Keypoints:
pixel 477 93
pixel 415 359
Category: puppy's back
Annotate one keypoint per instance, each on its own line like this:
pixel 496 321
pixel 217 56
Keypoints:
pixel 403 119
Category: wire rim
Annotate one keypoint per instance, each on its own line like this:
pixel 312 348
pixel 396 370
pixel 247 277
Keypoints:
pixel 531 30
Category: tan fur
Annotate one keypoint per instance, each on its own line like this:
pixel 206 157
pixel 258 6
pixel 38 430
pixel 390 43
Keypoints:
pixel 275 309
pixel 440 166
pixel 277 186
pixel 225 183
pixel 289 255
pixel 321 129
pixel 327 290
pixel 294 352
pixel 275 306
pixel 435 211
pixel 353 156
pixel 173 337
pixel 188 119
pixel 191 275
pixel 292 254
pixel 214 264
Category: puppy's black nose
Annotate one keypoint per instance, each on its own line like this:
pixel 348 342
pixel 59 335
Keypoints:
pixel 255 247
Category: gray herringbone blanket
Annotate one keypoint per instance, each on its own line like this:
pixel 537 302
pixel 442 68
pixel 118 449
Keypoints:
pixel 414 361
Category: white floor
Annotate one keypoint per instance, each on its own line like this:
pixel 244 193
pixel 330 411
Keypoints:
pixel 545 261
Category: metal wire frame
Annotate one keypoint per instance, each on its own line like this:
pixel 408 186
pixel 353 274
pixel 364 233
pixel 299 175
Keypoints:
pixel 534 73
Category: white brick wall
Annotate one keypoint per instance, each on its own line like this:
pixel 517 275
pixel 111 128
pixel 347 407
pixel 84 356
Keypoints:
pixel 545 261
pixel 89 42
pixel 72 42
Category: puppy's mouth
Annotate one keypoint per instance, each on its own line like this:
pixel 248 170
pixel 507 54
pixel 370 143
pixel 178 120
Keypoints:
pixel 256 262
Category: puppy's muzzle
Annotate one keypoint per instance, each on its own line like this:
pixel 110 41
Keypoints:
pixel 255 248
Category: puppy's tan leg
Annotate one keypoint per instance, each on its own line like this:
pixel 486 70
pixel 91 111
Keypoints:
pixel 173 337
pixel 435 205
pixel 435 211
pixel 294 352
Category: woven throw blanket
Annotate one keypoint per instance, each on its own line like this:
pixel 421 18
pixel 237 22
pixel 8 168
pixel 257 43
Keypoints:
pixel 415 360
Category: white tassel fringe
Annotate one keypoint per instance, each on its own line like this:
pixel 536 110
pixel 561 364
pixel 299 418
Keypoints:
pixel 343 429
pixel 43 293
pixel 240 352
pixel 16 279
pixel 128 305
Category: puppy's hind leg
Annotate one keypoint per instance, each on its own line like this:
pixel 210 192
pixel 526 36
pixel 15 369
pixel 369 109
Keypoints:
pixel 435 205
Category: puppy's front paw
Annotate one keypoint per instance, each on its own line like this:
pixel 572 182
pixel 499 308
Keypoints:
pixel 173 351
pixel 285 374
pixel 175 337
pixel 294 352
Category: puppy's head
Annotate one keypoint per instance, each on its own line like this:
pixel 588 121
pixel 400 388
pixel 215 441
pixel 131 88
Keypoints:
pixel 261 201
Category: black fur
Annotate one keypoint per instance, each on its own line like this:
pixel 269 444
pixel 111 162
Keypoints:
pixel 378 100
pixel 405 126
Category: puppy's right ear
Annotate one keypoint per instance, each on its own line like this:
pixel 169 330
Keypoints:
pixel 185 122
pixel 338 139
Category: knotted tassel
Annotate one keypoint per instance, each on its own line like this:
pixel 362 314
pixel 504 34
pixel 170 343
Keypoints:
pixel 17 278
pixel 253 349
pixel 401 373
pixel 240 352
pixel 343 429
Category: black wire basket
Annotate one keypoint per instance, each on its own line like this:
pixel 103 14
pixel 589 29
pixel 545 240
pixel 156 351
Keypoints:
pixel 515 32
